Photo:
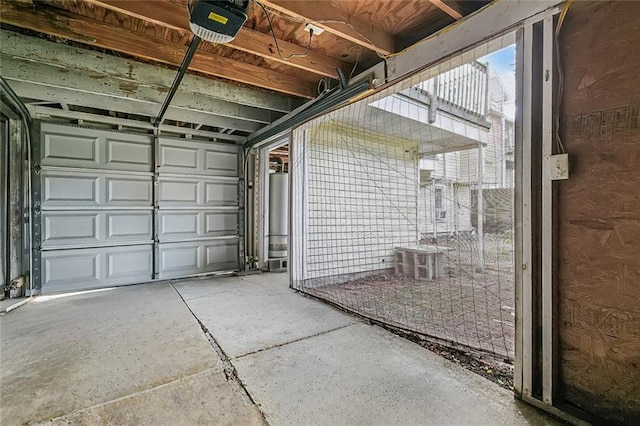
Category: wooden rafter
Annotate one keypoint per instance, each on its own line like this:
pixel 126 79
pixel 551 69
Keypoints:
pixel 336 21
pixel 171 15
pixel 63 24
pixel 446 9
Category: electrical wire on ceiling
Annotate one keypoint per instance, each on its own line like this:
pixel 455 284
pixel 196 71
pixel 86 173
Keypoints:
pixel 560 91
pixel 355 65
pixel 275 40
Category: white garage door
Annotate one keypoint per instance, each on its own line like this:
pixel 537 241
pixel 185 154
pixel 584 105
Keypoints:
pixel 198 207
pixel 107 219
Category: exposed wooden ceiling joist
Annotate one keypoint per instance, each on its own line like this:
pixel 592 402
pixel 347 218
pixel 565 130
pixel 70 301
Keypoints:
pixel 336 21
pixel 455 14
pixel 96 33
pixel 171 15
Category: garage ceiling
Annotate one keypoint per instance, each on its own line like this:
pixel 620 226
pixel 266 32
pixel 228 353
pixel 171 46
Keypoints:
pixel 357 34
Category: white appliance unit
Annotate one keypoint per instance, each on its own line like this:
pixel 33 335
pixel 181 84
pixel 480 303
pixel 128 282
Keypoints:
pixel 278 219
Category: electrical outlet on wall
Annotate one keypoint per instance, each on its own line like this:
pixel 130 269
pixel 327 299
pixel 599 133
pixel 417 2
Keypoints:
pixel 558 166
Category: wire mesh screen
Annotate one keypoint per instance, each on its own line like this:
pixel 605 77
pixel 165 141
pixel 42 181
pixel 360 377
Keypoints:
pixel 402 206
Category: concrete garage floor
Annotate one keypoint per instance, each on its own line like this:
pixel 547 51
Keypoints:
pixel 261 353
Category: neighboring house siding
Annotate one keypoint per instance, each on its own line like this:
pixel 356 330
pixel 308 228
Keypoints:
pixel 361 201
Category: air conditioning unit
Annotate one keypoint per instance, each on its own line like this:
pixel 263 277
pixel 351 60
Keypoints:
pixel 217 21
pixel 441 215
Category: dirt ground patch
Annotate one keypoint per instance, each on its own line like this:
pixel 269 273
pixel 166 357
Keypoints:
pixel 465 316
pixel 470 309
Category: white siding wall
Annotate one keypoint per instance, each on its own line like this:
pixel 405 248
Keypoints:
pixel 360 202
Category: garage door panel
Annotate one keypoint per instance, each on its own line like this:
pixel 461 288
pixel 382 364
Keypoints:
pixel 128 226
pixel 179 192
pixel 74 189
pixel 63 189
pixel 192 224
pixel 68 228
pixel 129 190
pixel 198 158
pixel 67 146
pixel 221 193
pixel 222 254
pixel 222 163
pixel 64 149
pixel 186 192
pixel 64 229
pixel 220 223
pixel 128 262
pixel 78 269
pixel 100 202
pixel 176 159
pixel 182 259
pixel 96 207
pixel 70 267
pixel 180 225
pixel 128 155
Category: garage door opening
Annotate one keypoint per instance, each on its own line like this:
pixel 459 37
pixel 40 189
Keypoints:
pixel 403 206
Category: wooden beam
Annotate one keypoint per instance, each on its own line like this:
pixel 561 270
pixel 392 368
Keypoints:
pixel 336 21
pixel 494 19
pixel 446 9
pixel 172 15
pixel 96 33
pixel 44 112
pixel 53 83
pixel 134 75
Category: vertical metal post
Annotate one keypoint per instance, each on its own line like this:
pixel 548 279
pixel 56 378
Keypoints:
pixel 14 212
pixel 4 174
pixel 156 206
pixel 452 218
pixel 250 208
pixel 547 217
pixel 432 201
pixel 36 219
pixel 242 222
pixel 526 267
pixel 480 209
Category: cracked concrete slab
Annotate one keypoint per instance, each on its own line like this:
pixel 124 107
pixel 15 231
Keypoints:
pixel 199 399
pixel 364 375
pixel 257 312
pixel 62 354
